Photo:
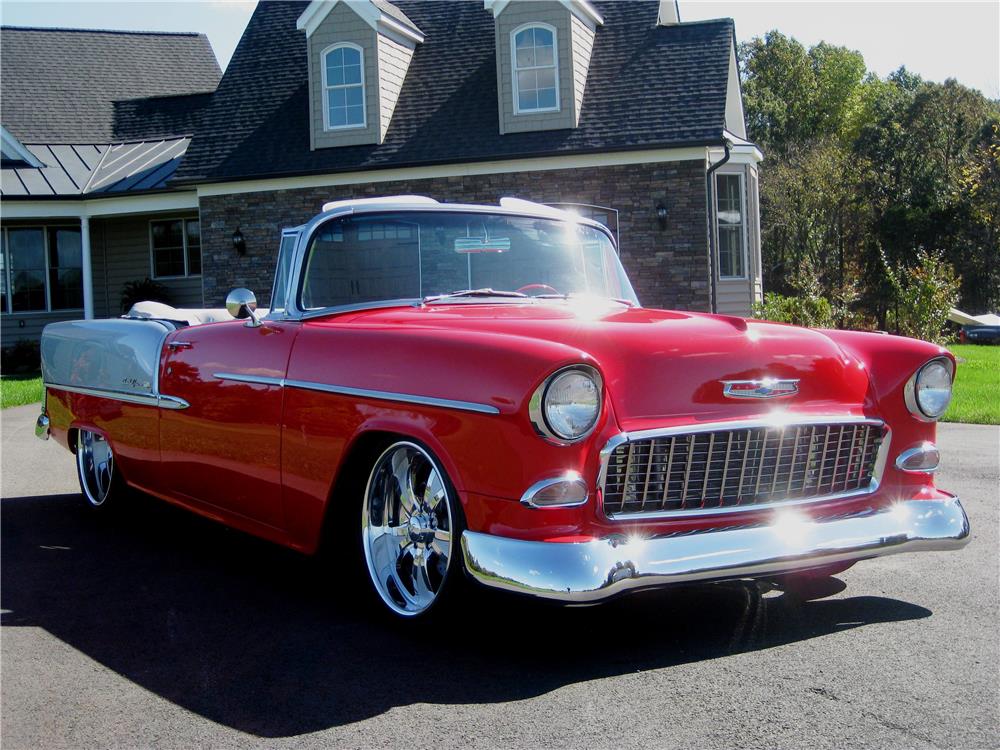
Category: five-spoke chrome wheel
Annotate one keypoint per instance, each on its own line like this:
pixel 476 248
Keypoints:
pixel 95 464
pixel 408 529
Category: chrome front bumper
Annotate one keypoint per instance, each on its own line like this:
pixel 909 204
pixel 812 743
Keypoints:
pixel 595 570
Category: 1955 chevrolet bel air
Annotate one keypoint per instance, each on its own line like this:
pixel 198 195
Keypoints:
pixel 469 391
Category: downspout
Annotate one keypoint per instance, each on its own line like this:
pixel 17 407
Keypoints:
pixel 711 220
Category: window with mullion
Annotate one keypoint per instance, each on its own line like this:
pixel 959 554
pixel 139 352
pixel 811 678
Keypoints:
pixel 731 222
pixel 26 256
pixel 65 268
pixel 536 71
pixel 344 84
pixel 176 248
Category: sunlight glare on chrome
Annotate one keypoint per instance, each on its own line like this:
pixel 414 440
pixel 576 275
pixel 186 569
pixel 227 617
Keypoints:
pixel 791 527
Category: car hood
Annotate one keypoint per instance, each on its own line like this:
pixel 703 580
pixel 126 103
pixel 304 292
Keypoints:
pixel 663 366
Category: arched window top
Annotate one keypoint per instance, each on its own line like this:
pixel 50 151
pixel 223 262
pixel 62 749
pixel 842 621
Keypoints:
pixel 343 87
pixel 535 62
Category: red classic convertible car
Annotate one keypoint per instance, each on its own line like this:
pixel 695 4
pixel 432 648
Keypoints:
pixel 468 391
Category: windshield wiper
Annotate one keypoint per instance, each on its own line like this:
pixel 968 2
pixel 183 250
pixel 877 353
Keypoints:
pixel 485 292
pixel 573 295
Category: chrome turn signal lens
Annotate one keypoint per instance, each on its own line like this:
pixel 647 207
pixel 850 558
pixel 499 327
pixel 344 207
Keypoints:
pixel 563 491
pixel 921 459
pixel 928 392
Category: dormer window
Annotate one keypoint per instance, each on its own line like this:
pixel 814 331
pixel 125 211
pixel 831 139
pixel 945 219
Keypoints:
pixel 543 54
pixel 359 52
pixel 344 87
pixel 536 69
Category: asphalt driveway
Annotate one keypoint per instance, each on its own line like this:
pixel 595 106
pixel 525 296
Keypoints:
pixel 159 629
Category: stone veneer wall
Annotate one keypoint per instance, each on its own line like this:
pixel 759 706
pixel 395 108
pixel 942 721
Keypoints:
pixel 668 267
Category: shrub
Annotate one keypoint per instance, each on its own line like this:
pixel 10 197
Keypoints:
pixel 141 291
pixel 805 310
pixel 924 294
pixel 23 358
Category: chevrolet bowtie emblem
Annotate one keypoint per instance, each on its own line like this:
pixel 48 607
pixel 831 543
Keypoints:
pixel 766 388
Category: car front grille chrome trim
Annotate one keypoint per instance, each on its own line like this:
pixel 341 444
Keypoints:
pixel 145 399
pixel 689 470
pixel 341 390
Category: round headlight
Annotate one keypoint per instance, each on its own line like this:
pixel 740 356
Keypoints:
pixel 567 405
pixel 929 390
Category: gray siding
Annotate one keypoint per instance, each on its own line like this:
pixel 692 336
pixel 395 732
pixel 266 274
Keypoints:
pixel 393 62
pixel 121 253
pixel 556 15
pixel 583 48
pixel 11 330
pixel 343 25
pixel 735 297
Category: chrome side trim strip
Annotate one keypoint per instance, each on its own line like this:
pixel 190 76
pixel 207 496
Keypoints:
pixel 591 571
pixel 255 379
pixel 343 390
pixel 145 399
pixel 405 398
pixel 783 420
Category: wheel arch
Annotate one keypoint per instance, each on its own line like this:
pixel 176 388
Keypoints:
pixel 359 456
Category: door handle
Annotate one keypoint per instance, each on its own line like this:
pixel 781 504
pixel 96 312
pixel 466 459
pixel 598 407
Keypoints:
pixel 175 345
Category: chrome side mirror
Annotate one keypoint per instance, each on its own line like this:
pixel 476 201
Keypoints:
pixel 242 303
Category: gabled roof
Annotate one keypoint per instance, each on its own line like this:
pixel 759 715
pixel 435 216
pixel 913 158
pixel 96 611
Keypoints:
pixel 59 85
pixel 89 170
pixel 648 86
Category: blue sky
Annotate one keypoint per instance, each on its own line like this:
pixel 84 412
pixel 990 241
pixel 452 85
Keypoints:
pixel 938 40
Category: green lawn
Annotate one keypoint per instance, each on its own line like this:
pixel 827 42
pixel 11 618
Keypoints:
pixel 16 390
pixel 977 385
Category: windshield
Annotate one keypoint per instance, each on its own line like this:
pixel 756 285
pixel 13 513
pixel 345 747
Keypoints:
pixel 416 255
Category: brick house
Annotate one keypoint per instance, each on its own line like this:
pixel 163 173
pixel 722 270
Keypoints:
pixel 617 108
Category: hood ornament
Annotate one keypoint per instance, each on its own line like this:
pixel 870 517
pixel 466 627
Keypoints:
pixel 765 388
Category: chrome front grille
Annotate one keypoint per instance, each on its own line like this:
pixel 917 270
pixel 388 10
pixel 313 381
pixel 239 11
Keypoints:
pixel 727 468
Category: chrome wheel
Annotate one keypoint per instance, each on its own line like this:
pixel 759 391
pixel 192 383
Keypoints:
pixel 96 466
pixel 406 527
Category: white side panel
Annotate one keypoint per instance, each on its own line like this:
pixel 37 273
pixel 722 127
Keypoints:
pixel 110 355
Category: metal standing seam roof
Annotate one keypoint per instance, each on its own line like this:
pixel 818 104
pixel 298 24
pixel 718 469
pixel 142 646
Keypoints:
pixel 79 170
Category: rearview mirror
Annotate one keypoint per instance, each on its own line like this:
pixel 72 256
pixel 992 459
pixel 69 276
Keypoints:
pixel 242 303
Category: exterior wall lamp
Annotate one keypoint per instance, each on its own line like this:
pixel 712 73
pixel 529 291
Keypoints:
pixel 661 216
pixel 239 243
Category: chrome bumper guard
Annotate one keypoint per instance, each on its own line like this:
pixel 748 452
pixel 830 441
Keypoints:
pixel 595 570
pixel 42 427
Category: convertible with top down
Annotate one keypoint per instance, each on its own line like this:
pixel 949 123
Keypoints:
pixel 464 392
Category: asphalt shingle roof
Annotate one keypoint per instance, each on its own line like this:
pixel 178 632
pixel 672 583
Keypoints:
pixel 648 86
pixel 59 85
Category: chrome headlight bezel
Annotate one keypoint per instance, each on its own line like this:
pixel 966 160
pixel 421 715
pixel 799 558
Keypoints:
pixel 911 392
pixel 537 407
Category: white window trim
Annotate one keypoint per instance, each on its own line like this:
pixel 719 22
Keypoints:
pixel 514 69
pixel 9 310
pixel 743 213
pixel 152 255
pixel 327 88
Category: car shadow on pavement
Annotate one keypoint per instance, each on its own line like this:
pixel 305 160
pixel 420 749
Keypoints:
pixel 263 640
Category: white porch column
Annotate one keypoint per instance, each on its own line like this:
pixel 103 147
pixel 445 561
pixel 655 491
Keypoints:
pixel 88 280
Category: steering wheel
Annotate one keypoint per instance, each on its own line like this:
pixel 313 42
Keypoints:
pixel 536 290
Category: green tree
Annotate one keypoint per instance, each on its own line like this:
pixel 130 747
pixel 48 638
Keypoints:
pixel 863 171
